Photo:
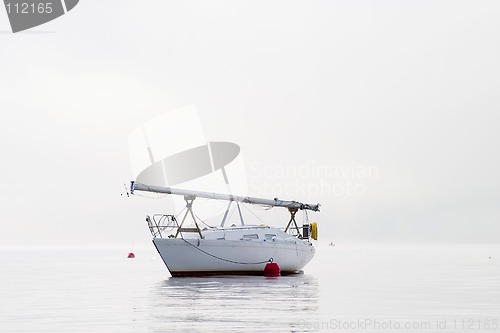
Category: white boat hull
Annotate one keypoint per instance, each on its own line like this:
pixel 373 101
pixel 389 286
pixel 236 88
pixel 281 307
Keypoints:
pixel 192 257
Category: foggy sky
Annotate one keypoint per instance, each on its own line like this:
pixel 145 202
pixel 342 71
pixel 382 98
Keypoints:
pixel 406 88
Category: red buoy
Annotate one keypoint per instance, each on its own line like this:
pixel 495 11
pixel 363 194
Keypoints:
pixel 131 255
pixel 272 270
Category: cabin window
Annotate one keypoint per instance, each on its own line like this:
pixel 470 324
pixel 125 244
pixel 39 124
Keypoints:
pixel 270 236
pixel 251 236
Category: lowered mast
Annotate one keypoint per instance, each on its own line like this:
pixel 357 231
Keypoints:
pixel 134 186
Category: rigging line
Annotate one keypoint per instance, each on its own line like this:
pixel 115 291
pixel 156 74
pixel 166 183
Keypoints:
pixel 221 209
pixel 258 218
pixel 178 214
pixel 126 190
pixel 230 214
pixel 150 197
pixel 199 219
pixel 264 207
pixel 227 260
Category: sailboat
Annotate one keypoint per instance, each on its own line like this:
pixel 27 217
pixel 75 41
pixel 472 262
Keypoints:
pixel 243 249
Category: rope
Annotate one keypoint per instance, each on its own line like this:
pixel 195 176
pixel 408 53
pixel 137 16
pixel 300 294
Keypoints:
pixel 151 197
pixel 179 214
pixel 258 218
pixel 215 214
pixel 227 260
pixel 199 219
pixel 228 218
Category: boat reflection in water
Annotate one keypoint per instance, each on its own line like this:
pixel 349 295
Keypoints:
pixel 225 303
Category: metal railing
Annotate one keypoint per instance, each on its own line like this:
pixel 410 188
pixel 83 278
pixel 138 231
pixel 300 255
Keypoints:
pixel 161 224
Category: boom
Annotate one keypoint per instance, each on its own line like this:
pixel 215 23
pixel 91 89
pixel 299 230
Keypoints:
pixel 218 196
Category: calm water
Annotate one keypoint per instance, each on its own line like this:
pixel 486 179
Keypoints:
pixel 345 288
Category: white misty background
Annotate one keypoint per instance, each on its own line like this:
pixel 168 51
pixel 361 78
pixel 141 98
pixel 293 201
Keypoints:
pixel 408 87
